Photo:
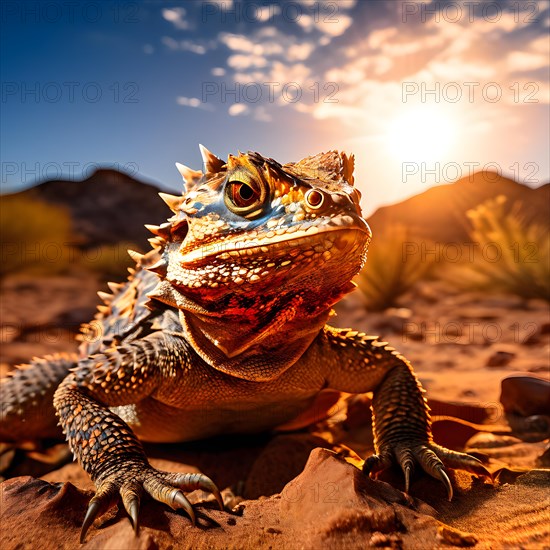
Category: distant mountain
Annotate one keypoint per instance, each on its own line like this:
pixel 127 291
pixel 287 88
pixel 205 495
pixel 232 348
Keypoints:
pixel 107 208
pixel 438 214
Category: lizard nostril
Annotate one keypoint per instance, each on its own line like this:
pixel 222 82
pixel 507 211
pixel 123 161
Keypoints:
pixel 314 198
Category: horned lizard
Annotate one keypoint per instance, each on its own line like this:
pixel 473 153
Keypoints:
pixel 222 328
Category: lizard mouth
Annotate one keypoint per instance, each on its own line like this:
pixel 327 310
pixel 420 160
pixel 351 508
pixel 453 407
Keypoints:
pixel 282 241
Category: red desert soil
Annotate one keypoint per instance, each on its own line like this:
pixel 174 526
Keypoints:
pixel 286 490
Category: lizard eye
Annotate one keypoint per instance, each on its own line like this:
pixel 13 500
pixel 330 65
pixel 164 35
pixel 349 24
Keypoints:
pixel 314 199
pixel 245 199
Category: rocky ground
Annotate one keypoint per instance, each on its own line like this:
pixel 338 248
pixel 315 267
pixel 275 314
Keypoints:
pixel 302 489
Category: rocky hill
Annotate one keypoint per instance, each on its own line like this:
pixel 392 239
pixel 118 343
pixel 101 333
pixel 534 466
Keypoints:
pixel 439 213
pixel 107 208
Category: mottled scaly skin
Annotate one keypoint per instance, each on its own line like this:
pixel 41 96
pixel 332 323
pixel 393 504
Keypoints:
pixel 221 328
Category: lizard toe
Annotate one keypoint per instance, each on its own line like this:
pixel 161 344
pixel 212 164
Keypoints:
pixel 461 461
pixel 131 497
pixel 190 482
pixel 161 490
pixel 432 465
pixel 101 502
pixel 377 463
pixel 406 460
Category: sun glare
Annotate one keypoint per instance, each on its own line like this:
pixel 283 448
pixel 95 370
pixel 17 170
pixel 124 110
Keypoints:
pixel 421 134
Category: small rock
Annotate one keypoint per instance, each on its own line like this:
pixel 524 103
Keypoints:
pixel 525 395
pixel 448 535
pixel 507 476
pixel 500 359
pixel 383 540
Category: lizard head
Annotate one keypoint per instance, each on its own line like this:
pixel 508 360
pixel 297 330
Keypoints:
pixel 251 238
pixel 251 226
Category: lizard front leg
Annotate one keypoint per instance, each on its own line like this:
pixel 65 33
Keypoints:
pixel 358 363
pixel 105 445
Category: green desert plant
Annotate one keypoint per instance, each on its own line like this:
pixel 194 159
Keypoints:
pixel 396 260
pixel 509 255
pixel 35 236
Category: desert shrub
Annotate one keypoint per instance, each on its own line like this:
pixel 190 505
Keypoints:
pixel 35 236
pixel 109 261
pixel 510 255
pixel 395 262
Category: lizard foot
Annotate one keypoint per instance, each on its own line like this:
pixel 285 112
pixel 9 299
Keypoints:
pixel 431 457
pixel 164 487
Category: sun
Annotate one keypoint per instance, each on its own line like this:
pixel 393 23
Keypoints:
pixel 425 133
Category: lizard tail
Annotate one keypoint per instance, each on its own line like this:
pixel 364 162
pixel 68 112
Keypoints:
pixel 26 398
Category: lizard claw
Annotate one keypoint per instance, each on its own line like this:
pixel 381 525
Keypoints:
pixel 180 501
pixel 190 482
pixel 91 514
pixel 164 487
pixel 443 477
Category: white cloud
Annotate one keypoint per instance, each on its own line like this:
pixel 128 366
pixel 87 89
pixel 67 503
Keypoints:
pixel 218 71
pixel 299 52
pixel 193 102
pixel 335 27
pixel 220 4
pixel 238 109
pixel 378 37
pixel 265 13
pixel 527 61
pixel 328 5
pixel 236 42
pixel 306 22
pixel 148 49
pixel 170 42
pixel 334 24
pixel 176 16
pixel 185 45
pixel 540 45
pixel 241 43
pixel 242 62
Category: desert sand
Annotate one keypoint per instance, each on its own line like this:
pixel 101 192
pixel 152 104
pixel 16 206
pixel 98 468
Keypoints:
pixel 303 489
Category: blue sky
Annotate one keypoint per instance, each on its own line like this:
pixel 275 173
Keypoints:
pixel 421 92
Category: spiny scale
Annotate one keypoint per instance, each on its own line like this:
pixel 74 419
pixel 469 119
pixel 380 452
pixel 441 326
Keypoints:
pixel 212 163
pixel 160 268
pixel 104 296
pixel 156 242
pixel 136 256
pixel 188 174
pixel 162 230
pixel 173 201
